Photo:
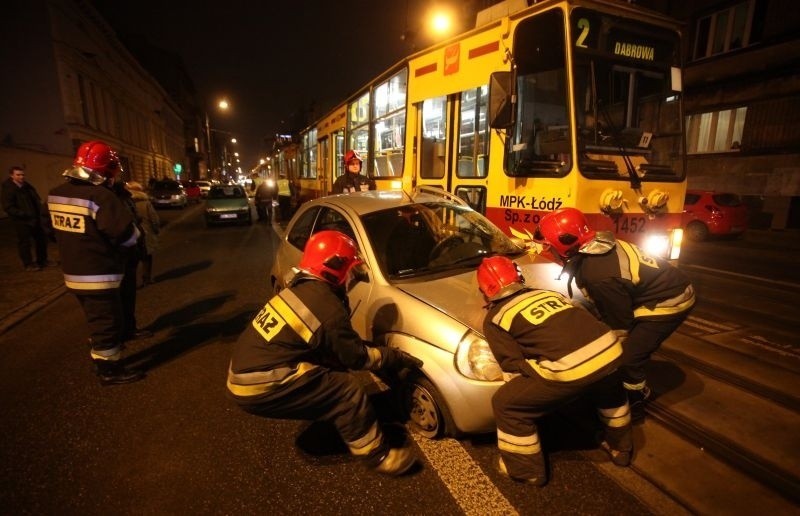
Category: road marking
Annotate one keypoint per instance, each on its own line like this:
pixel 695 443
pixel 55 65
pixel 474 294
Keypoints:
pixel 699 326
pixel 748 276
pixel 469 486
pixel 719 325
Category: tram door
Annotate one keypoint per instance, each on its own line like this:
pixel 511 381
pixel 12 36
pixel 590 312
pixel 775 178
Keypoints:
pixel 453 145
pixel 324 168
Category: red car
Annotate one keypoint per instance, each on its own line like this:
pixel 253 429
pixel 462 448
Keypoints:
pixel 192 190
pixel 711 213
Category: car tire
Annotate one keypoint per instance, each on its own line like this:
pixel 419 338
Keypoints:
pixel 427 412
pixel 696 231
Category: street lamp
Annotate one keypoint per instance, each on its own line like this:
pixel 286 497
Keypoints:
pixel 222 105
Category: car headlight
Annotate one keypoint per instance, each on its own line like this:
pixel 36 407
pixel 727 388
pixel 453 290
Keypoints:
pixel 474 359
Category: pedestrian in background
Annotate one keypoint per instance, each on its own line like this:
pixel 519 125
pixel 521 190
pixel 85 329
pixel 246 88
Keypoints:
pixel 550 352
pixel 352 180
pixel 24 207
pixel 132 256
pixel 643 298
pixel 150 224
pixel 293 360
pixel 92 228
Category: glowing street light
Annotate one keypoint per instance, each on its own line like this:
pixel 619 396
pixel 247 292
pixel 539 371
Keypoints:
pixel 223 105
pixel 441 23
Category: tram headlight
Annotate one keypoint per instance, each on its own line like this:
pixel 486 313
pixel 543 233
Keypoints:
pixel 657 245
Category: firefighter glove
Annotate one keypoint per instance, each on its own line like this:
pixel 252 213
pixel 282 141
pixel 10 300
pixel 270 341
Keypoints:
pixel 395 359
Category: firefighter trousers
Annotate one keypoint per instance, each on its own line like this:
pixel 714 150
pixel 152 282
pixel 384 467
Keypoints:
pixel 331 396
pixel 103 311
pixel 518 404
pixel 644 339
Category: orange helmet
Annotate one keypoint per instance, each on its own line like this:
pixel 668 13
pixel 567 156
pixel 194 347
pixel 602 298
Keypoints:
pixel 566 230
pixel 499 277
pixel 351 155
pixel 329 255
pixel 95 162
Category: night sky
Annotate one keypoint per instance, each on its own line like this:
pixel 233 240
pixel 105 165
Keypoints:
pixel 273 59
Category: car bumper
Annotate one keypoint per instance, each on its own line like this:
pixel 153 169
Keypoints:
pixel 168 202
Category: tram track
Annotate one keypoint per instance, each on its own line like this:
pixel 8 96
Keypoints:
pixel 729 406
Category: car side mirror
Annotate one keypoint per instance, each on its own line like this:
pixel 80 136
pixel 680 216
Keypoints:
pixel 501 100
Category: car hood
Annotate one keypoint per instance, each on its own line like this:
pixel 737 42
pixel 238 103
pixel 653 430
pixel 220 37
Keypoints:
pixel 460 297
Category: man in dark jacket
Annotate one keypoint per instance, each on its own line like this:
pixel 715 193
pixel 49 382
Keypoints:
pixel 292 361
pixel 643 298
pixel 24 207
pixel 93 228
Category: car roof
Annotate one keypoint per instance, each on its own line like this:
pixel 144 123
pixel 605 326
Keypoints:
pixel 362 203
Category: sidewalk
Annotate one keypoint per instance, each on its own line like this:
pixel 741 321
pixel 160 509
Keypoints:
pixel 23 293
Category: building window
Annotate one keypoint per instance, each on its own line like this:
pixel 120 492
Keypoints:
pixel 725 30
pixel 717 131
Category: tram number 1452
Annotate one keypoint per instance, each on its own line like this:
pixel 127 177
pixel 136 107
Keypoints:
pixel 630 225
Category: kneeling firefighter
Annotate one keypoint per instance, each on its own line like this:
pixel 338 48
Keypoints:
pixel 550 352
pixel 292 361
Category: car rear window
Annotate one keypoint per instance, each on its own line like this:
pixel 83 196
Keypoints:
pixel 727 199
pixel 691 198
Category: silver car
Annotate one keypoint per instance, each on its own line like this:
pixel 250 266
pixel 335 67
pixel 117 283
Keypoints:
pixel 418 291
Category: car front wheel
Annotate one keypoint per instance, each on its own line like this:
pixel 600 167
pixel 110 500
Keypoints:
pixel 428 415
pixel 697 231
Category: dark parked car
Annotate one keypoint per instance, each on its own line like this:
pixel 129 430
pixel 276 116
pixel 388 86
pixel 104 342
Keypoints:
pixel 227 203
pixel 711 213
pixel 168 193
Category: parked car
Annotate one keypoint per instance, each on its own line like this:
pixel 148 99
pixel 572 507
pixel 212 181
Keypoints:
pixel 205 186
pixel 227 203
pixel 711 213
pixel 192 189
pixel 168 193
pixel 418 291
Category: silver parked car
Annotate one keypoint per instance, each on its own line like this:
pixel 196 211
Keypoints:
pixel 418 291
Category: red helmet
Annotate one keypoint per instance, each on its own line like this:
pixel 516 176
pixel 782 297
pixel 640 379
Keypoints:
pixel 499 277
pixel 329 255
pixel 566 230
pixel 351 155
pixel 95 161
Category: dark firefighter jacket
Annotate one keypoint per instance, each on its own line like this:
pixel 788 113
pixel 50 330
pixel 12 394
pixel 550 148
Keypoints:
pixel 627 284
pixel 349 183
pixel 91 226
pixel 541 332
pixel 301 330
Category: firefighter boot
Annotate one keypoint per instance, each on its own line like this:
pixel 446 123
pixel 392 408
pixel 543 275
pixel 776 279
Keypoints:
pixel 618 444
pixel 396 462
pixel 538 480
pixel 637 399
pixel 114 373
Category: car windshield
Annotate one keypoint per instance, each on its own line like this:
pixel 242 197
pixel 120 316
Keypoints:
pixel 425 238
pixel 226 192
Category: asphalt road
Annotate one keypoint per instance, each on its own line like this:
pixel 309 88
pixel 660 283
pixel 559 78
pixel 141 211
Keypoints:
pixel 175 444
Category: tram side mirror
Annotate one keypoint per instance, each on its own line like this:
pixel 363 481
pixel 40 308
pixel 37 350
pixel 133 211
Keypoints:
pixel 501 100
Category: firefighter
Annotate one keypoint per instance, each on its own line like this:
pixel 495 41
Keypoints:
pixel 93 228
pixel 643 298
pixel 292 361
pixel 550 352
pixel 352 180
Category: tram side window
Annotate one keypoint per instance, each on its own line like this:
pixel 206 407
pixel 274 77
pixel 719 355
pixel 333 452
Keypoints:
pixel 434 129
pixel 473 134
pixel 309 169
pixel 358 128
pixel 389 125
pixel 540 143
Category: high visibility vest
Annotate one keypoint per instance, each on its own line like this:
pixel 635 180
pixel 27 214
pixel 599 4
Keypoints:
pixel 283 188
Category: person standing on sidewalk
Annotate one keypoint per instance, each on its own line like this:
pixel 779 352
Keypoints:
pixel 93 228
pixel 24 206
pixel 150 224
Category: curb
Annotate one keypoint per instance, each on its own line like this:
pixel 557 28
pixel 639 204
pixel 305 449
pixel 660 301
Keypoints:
pixel 25 311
